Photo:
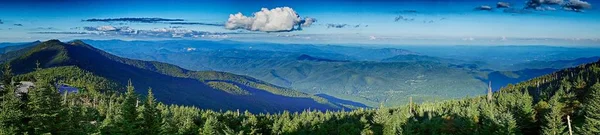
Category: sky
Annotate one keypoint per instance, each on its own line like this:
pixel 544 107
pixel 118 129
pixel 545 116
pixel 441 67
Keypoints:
pixel 370 22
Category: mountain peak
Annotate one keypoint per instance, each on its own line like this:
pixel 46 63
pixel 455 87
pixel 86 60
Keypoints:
pixel 77 42
pixel 52 41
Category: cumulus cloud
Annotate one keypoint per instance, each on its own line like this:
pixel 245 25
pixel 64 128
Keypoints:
pixel 281 19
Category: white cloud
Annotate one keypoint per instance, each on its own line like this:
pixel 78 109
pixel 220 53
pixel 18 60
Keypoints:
pixel 106 28
pixel 273 20
pixel 308 21
pixel 189 49
pixel 577 5
pixel 372 38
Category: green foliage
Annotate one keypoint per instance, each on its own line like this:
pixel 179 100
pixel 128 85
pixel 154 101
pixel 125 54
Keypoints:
pixel 211 126
pixel 128 111
pixel 554 124
pixel 591 125
pixel 12 115
pixel 151 119
pixel 228 87
pixel 44 107
pixel 43 110
pixel 82 66
pixel 74 77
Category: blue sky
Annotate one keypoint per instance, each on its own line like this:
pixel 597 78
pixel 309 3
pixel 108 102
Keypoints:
pixel 435 22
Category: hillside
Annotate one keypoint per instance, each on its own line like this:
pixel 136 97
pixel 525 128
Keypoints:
pixel 558 103
pixel 173 85
pixel 368 82
pixel 554 64
pixel 8 47
pixel 368 75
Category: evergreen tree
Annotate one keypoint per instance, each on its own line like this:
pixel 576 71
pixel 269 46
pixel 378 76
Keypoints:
pixel 109 124
pixel 7 79
pixel 367 127
pixel 74 122
pixel 12 114
pixel 250 124
pixel 150 116
pixel 554 124
pixel 128 111
pixel 210 126
pixel 507 124
pixel 166 125
pixel 525 114
pixel 591 124
pixel 44 107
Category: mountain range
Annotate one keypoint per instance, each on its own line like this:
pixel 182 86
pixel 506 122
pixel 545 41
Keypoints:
pixel 345 76
pixel 368 75
pixel 172 85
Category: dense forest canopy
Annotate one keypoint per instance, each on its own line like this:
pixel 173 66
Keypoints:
pixel 557 103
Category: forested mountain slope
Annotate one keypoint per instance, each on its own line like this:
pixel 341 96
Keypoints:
pixel 543 105
pixel 320 70
pixel 211 90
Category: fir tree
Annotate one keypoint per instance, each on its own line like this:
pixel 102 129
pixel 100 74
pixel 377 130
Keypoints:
pixel 44 107
pixel 150 116
pixel 12 114
pixel 7 79
pixel 108 125
pixel 210 126
pixel 591 124
pixel 128 111
pixel 554 124
pixel 166 124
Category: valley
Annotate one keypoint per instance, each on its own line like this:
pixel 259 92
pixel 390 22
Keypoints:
pixel 390 76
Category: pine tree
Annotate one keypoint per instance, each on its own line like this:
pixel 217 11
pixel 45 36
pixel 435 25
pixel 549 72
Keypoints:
pixel 507 124
pixel 44 107
pixel 210 126
pixel 591 124
pixel 128 111
pixel 525 114
pixel 109 123
pixel 367 127
pixel 150 116
pixel 12 114
pixel 166 124
pixel 553 119
pixel 6 79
